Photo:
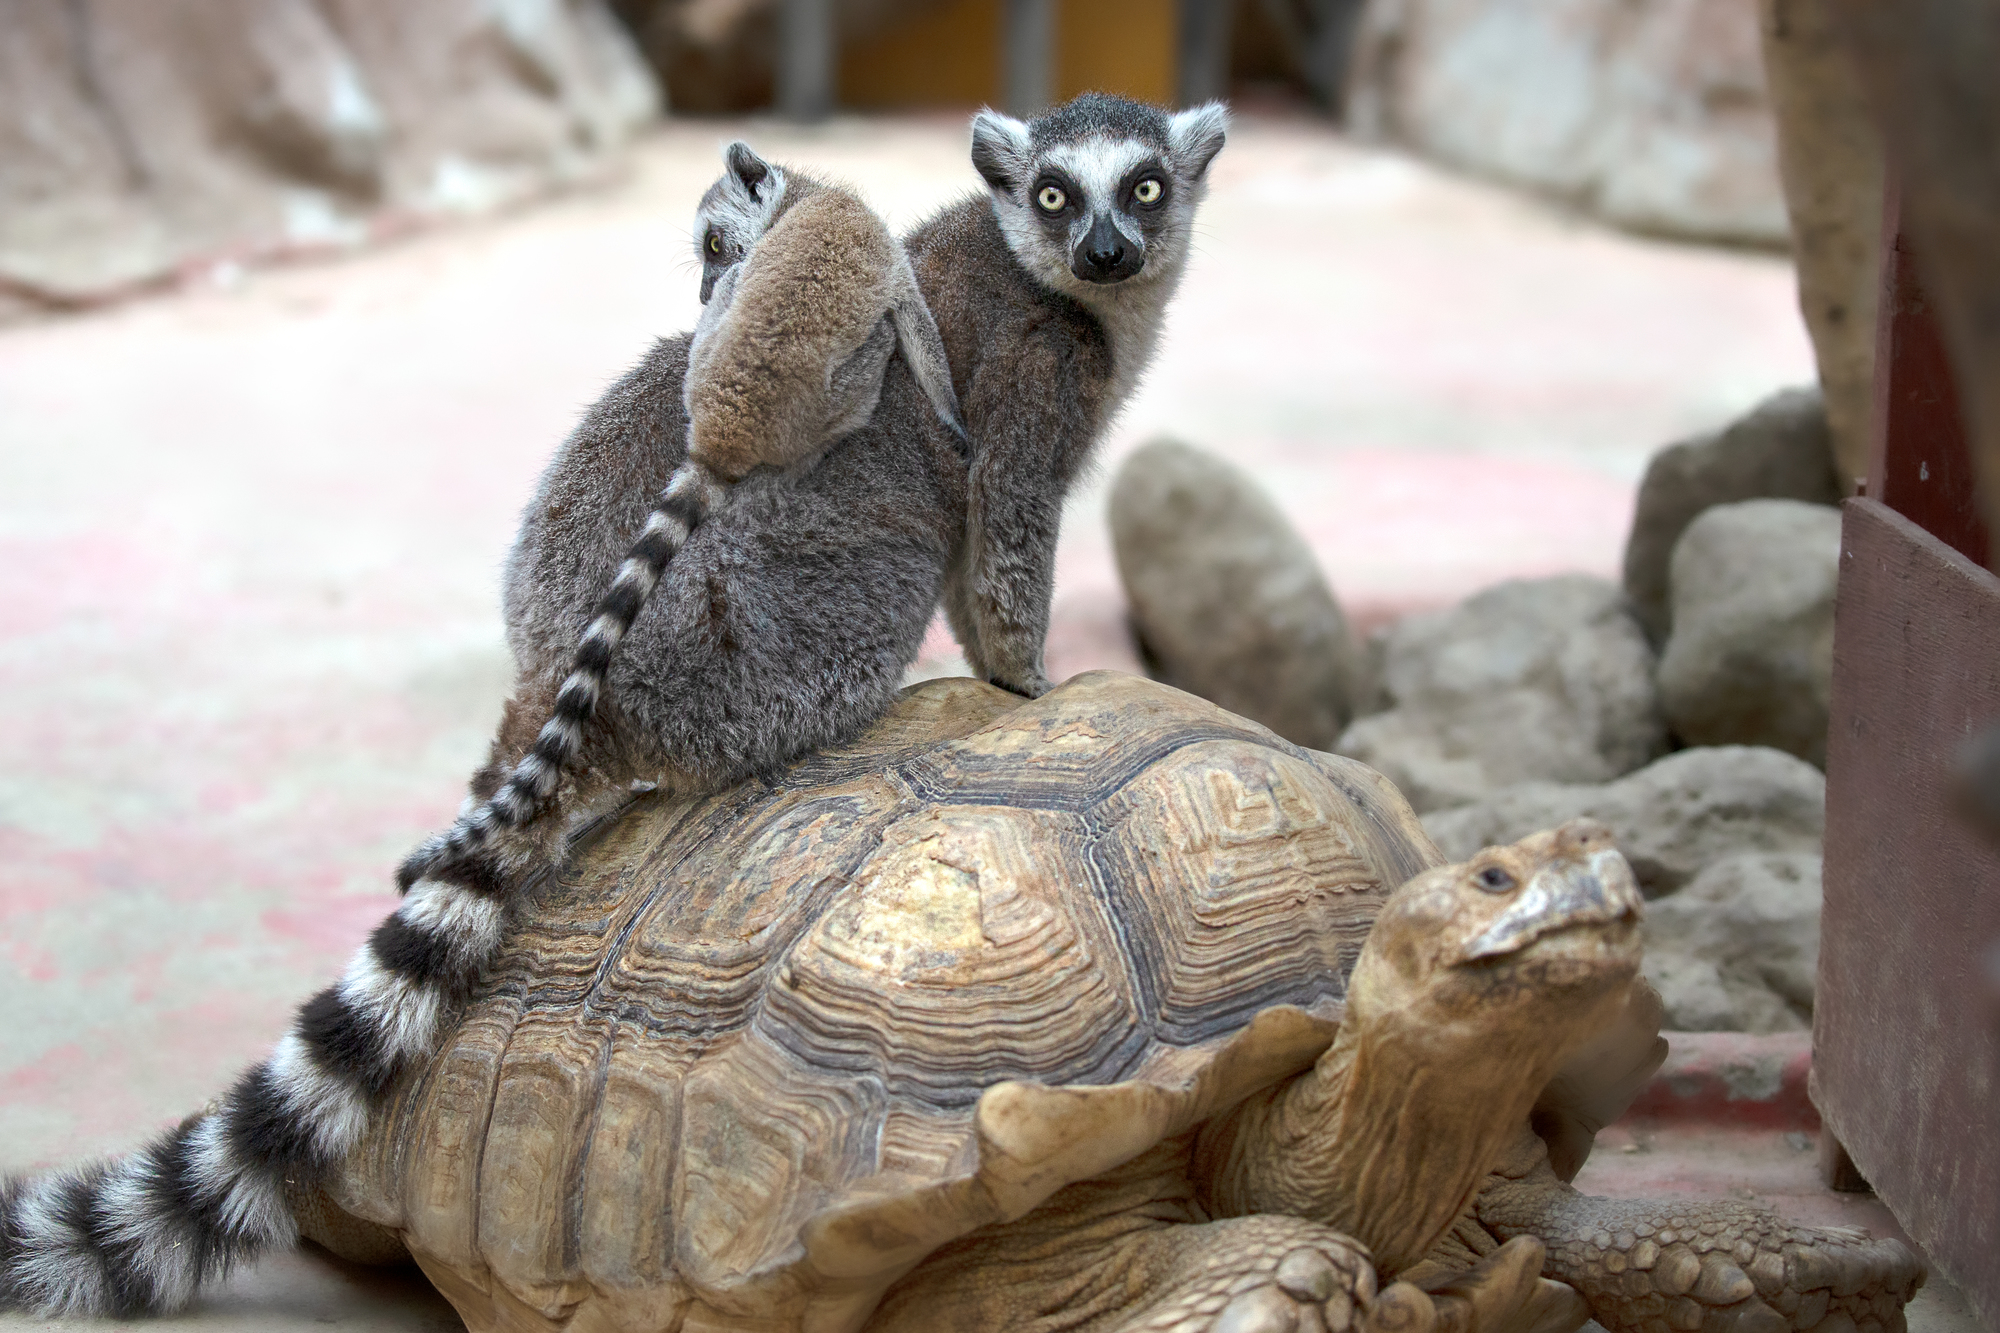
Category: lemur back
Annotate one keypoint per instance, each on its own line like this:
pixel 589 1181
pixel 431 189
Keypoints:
pixel 793 342
pixel 806 295
pixel 783 625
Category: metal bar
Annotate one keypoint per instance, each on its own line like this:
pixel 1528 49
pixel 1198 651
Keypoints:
pixel 806 49
pixel 1203 49
pixel 1029 44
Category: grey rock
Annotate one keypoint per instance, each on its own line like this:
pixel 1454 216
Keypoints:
pixel 142 140
pixel 1737 950
pixel 1654 116
pixel 1532 680
pixel 1226 599
pixel 1781 450
pixel 1750 661
pixel 1673 819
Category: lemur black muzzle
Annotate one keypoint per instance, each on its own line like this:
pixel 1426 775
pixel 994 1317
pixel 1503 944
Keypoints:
pixel 1106 254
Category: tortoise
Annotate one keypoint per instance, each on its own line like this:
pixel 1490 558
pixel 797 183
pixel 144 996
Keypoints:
pixel 1097 1012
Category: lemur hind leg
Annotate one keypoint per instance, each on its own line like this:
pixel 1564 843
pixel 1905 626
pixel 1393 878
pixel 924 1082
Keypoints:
pixel 597 781
pixel 1699 1266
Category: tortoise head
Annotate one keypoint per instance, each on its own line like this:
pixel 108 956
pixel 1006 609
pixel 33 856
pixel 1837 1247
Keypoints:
pixel 1522 941
pixel 1476 983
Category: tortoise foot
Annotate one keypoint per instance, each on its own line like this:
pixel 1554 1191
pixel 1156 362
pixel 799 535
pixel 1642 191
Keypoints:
pixel 1739 1270
pixel 1671 1266
pixel 1275 1274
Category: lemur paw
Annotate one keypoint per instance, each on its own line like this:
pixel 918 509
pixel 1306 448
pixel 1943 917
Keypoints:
pixel 1034 687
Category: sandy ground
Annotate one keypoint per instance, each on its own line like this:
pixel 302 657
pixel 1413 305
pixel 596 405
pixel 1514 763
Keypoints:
pixel 250 641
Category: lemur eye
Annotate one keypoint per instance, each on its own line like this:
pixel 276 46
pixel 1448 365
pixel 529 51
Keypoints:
pixel 1051 199
pixel 1147 191
pixel 1495 880
pixel 715 243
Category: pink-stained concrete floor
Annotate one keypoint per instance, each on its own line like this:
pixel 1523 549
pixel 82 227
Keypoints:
pixel 249 634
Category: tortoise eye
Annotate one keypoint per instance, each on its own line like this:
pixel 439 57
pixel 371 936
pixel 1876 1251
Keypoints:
pixel 1147 191
pixel 1495 880
pixel 1051 199
pixel 714 245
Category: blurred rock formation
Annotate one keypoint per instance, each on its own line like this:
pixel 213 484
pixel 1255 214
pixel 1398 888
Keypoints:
pixel 1227 600
pixel 143 138
pixel 1542 680
pixel 1750 660
pixel 1673 819
pixel 1737 950
pixel 1780 450
pixel 1653 116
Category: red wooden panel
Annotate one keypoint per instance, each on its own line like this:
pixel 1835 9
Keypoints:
pixel 1906 1045
pixel 1921 463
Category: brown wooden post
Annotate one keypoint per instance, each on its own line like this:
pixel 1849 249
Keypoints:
pixel 1920 462
pixel 1906 1046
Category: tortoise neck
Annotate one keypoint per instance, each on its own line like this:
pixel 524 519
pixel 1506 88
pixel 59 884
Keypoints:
pixel 1386 1138
pixel 1401 1136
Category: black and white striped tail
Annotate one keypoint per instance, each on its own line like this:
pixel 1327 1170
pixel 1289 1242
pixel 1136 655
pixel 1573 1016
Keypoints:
pixel 690 494
pixel 141 1233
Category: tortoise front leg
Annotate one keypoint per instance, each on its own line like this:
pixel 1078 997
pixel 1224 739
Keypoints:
pixel 1259 1274
pixel 1688 1266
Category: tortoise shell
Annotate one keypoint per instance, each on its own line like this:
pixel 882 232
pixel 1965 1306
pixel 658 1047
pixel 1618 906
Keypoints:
pixel 761 1051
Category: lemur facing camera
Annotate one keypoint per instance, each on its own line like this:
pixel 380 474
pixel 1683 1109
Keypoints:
pixel 805 297
pixel 784 625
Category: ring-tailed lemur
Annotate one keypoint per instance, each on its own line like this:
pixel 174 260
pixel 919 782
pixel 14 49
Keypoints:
pixel 784 625
pixel 806 294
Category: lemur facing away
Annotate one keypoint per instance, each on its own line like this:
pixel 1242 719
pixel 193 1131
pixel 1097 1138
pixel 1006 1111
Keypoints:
pixel 782 626
pixel 805 297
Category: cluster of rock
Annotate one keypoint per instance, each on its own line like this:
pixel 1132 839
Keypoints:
pixel 141 140
pixel 1654 116
pixel 1686 709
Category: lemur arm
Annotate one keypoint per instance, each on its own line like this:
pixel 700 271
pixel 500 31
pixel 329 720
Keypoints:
pixel 1034 415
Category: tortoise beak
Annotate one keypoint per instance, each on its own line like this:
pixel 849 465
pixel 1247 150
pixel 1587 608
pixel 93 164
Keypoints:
pixel 1590 890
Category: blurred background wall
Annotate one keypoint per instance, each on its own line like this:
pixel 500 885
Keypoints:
pixel 140 139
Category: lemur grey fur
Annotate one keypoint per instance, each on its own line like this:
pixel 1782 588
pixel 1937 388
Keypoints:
pixel 805 297
pixel 783 626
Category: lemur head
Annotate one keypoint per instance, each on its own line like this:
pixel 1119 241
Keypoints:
pixel 1099 193
pixel 736 210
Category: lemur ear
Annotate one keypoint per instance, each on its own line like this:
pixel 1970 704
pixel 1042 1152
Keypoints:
pixel 1196 135
pixel 746 166
pixel 1000 151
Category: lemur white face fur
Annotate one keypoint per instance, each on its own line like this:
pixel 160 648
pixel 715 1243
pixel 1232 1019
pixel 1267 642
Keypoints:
pixel 1097 201
pixel 734 212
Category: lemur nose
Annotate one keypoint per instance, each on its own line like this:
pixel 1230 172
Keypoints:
pixel 1105 258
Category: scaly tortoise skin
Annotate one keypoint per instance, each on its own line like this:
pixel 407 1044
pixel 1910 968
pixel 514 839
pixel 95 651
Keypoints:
pixel 761 1054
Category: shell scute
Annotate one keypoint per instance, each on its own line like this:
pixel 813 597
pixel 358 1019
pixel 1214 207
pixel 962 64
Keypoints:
pixel 625 1220
pixel 543 1106
pixel 1238 883
pixel 960 957
pixel 445 1138
pixel 764 1143
pixel 1073 757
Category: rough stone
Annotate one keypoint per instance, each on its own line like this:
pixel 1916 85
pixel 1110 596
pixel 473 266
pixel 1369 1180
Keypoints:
pixel 1226 598
pixel 1737 950
pixel 1780 449
pixel 1673 819
pixel 1532 680
pixel 1653 116
pixel 1750 660
pixel 147 137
